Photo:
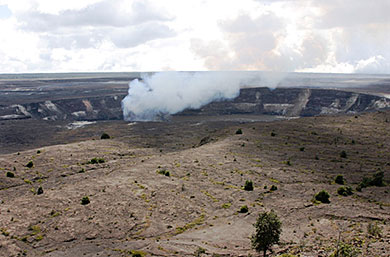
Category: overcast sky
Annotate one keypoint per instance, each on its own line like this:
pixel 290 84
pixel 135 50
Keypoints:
pixel 157 35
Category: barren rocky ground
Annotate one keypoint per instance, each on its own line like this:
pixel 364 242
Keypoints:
pixel 135 208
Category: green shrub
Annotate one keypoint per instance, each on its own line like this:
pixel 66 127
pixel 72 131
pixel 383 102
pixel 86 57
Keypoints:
pixel 96 161
pixel 268 229
pixel 322 196
pixel 40 191
pixel 377 179
pixel 273 134
pixel 10 174
pixel 343 154
pixel 136 253
pixel 373 229
pixel 85 200
pixel 339 180
pixel 248 185
pixel 243 209
pixel 344 191
pixel 164 172
pixel 345 250
pixel 200 251
pixel 273 188
pixel 30 164
pixel 239 131
pixel 105 136
pixel 226 205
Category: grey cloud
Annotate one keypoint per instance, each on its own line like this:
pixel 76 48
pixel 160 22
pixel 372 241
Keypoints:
pixel 361 40
pixel 105 13
pixel 352 13
pixel 136 35
pixel 254 44
pixel 108 20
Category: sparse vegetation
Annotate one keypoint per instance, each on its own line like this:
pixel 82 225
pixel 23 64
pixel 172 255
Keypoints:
pixel 40 191
pixel 243 209
pixel 248 185
pixel 376 180
pixel 85 200
pixel 374 230
pixel 200 251
pixel 96 161
pixel 164 172
pixel 322 196
pixel 30 164
pixel 339 180
pixel 345 250
pixel 226 205
pixel 343 154
pixel 239 131
pixel 105 136
pixel 345 191
pixel 273 188
pixel 10 174
pixel 268 229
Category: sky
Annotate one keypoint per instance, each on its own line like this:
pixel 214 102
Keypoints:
pixel 341 36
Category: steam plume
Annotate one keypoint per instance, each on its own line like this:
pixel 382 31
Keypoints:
pixel 167 93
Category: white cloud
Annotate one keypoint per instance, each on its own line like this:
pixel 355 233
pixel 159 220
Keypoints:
pixel 331 35
pixel 120 35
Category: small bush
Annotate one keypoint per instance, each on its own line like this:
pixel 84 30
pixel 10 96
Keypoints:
pixel 40 191
pixel 345 250
pixel 96 161
pixel 273 188
pixel 10 174
pixel 302 149
pixel 273 134
pixel 243 209
pixel 105 136
pixel 164 172
pixel 239 131
pixel 136 253
pixel 339 180
pixel 343 154
pixel 344 191
pixel 30 164
pixel 200 251
pixel 39 151
pixel 85 200
pixel 226 205
pixel 373 229
pixel 248 185
pixel 377 179
pixel 322 196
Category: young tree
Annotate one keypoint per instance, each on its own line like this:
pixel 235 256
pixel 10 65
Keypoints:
pixel 268 229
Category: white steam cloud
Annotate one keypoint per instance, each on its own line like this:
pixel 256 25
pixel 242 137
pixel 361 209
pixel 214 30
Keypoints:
pixel 165 93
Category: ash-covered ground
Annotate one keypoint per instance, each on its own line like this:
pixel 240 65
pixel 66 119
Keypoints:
pixel 135 208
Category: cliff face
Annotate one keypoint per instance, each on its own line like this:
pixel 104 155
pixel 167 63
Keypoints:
pixel 88 108
pixel 290 102
pixel 293 102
